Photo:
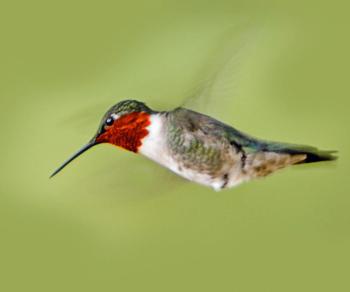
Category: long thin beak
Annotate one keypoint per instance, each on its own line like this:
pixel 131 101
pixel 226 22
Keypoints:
pixel 75 155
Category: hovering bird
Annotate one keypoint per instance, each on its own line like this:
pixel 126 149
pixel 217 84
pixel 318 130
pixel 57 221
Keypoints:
pixel 196 146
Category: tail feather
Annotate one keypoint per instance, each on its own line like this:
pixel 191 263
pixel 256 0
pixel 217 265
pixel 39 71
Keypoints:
pixel 320 156
pixel 312 154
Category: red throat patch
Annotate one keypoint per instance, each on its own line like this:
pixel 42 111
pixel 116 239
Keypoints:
pixel 127 131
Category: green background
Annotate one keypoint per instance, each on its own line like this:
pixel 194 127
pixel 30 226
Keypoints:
pixel 114 221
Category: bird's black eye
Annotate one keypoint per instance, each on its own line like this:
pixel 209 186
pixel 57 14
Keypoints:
pixel 109 122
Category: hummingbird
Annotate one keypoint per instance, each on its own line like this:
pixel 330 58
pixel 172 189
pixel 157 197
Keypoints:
pixel 196 146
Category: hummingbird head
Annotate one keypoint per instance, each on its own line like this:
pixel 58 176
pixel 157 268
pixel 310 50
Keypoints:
pixel 124 125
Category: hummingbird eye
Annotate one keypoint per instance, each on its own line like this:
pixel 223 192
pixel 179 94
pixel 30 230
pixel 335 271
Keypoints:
pixel 109 122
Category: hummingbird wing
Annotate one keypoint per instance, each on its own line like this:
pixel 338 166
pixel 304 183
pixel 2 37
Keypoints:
pixel 219 81
pixel 214 82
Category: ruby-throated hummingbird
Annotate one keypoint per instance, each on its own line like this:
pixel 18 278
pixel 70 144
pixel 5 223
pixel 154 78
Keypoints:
pixel 196 146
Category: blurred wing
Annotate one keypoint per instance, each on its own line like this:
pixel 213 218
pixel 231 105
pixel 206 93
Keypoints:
pixel 218 84
pixel 211 86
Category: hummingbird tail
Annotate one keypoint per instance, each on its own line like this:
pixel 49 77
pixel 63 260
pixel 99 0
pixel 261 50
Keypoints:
pixel 320 156
pixel 269 157
pixel 312 154
pixel 273 156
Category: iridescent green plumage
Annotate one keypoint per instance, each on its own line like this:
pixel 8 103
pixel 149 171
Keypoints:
pixel 206 145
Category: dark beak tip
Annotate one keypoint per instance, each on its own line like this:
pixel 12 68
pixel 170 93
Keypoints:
pixel 52 175
pixel 74 156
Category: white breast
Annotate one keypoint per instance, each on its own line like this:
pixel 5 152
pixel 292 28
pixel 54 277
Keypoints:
pixel 154 144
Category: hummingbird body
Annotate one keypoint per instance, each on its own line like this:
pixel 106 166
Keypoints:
pixel 195 146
